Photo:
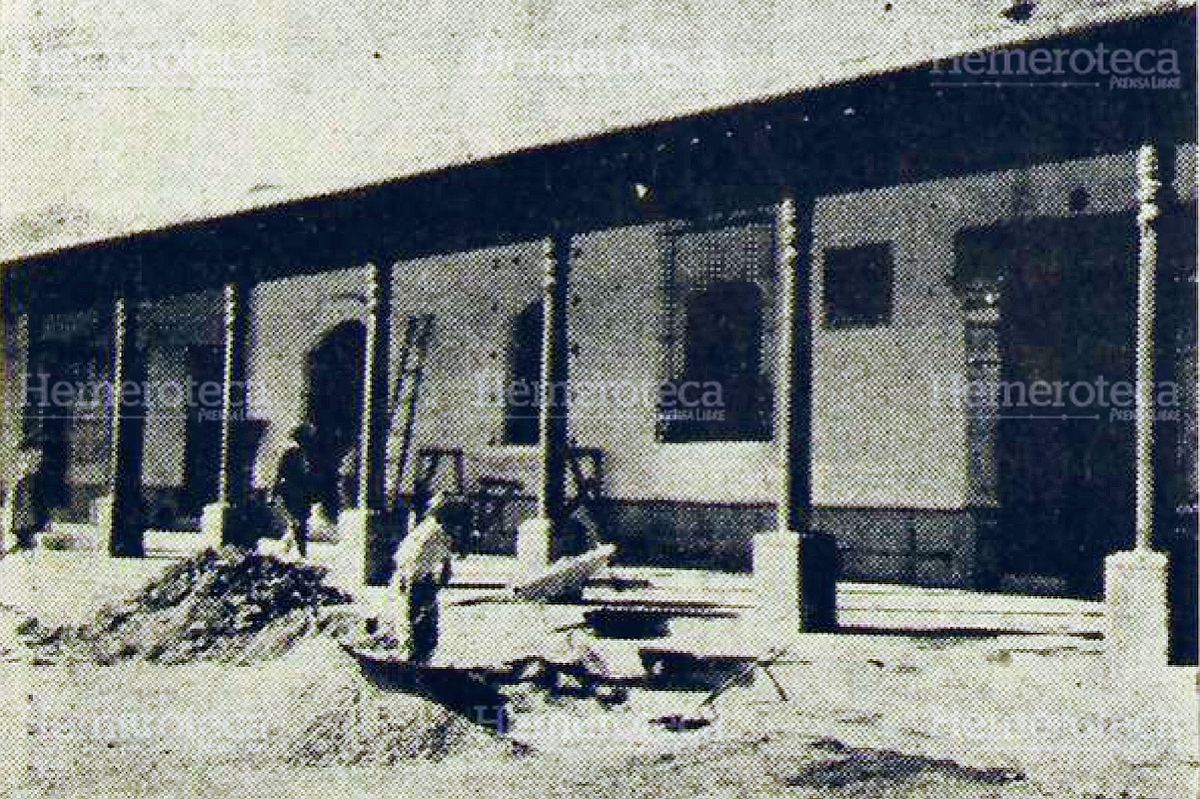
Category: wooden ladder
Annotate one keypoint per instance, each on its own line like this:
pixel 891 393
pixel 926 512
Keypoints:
pixel 418 336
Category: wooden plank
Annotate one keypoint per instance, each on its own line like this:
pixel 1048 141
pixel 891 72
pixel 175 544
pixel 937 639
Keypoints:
pixel 564 577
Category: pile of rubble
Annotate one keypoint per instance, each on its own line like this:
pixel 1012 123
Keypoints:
pixel 230 605
pixel 344 719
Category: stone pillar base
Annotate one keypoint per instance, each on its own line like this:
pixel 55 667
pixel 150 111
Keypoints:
pixel 1135 603
pixel 533 546
pixel 357 528
pixel 102 519
pixel 777 616
pixel 215 522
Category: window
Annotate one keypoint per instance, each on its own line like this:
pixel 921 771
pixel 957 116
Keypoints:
pixel 719 334
pixel 858 286
pixel 521 398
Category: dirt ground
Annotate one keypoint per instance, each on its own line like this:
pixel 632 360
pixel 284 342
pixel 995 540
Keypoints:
pixel 865 716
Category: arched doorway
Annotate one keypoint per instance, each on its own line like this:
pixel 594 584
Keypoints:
pixel 333 402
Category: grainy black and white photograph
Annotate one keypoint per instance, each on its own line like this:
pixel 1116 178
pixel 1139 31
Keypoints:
pixel 632 399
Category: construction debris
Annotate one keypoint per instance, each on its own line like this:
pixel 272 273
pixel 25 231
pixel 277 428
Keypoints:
pixel 229 605
pixel 565 578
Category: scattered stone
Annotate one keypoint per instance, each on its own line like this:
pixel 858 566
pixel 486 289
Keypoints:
pixel 565 577
pixel 677 722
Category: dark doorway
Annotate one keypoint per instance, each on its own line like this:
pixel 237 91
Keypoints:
pixel 521 406
pixel 722 349
pixel 333 404
pixel 1065 437
pixel 202 435
pixel 49 427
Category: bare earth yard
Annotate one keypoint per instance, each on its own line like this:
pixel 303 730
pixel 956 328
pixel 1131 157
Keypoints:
pixel 866 715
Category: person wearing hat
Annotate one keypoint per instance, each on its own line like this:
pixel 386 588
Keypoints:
pixel 293 492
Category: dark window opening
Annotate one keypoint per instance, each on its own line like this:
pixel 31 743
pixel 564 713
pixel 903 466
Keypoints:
pixel 858 286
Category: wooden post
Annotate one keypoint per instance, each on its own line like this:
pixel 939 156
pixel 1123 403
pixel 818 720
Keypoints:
pixel 362 537
pixel 981 307
pixel 1147 219
pixel 793 384
pixel 552 412
pixel 375 413
pixel 778 560
pixel 217 520
pixel 536 537
pixel 120 515
pixel 1135 582
pixel 12 434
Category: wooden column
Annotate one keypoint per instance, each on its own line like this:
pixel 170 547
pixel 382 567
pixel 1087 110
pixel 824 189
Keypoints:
pixel 363 543
pixel 536 538
pixel 1135 582
pixel 230 486
pixel 12 433
pixel 217 522
pixel 793 382
pixel 786 602
pixel 552 410
pixel 1147 220
pixel 375 413
pixel 981 307
pixel 121 525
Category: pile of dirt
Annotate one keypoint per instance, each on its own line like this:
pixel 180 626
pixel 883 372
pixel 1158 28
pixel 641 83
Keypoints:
pixel 348 720
pixel 229 605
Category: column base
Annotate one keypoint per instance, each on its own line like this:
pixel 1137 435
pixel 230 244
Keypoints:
pixel 778 613
pixel 362 549
pixel 533 546
pixel 1135 606
pixel 119 538
pixel 216 521
pixel 101 517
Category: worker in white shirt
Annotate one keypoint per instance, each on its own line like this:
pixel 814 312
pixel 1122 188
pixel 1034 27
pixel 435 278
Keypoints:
pixel 422 568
